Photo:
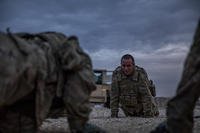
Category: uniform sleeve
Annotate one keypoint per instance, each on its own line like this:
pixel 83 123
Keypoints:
pixel 79 84
pixel 114 102
pixel 146 97
pixel 71 55
pixel 150 83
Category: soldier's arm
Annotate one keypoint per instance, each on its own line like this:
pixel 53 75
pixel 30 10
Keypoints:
pixel 149 82
pixel 114 102
pixel 146 97
pixel 79 85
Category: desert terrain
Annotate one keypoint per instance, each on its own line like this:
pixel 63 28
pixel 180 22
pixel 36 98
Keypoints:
pixel 100 116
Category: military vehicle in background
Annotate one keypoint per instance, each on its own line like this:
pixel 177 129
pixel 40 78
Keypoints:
pixel 103 82
pixel 100 96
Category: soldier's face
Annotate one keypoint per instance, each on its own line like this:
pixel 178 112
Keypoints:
pixel 128 67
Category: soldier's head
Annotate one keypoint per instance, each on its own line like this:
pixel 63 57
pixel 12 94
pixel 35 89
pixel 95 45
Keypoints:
pixel 128 64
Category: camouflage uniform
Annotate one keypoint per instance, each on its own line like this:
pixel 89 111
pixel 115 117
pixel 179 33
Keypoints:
pixel 132 93
pixel 180 108
pixel 36 68
pixel 149 82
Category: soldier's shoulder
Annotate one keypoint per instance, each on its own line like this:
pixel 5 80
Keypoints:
pixel 141 70
pixel 117 73
pixel 52 36
pixel 51 33
pixel 117 70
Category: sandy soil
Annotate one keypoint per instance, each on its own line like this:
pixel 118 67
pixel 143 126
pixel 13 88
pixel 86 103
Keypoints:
pixel 100 116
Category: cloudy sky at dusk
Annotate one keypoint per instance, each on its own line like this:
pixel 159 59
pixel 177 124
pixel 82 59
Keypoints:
pixel 158 33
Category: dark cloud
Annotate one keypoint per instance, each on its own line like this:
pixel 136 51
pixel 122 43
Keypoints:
pixel 158 33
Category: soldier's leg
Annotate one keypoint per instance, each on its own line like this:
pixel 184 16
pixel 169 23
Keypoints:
pixel 57 108
pixel 76 98
pixel 14 122
pixel 180 108
pixel 155 107
pixel 130 111
pixel 28 124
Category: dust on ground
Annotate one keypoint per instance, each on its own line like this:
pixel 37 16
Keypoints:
pixel 100 116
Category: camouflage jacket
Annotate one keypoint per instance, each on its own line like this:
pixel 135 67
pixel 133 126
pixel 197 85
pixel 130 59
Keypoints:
pixel 150 83
pixel 42 63
pixel 132 93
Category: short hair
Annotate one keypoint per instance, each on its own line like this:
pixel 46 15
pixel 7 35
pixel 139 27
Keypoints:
pixel 127 56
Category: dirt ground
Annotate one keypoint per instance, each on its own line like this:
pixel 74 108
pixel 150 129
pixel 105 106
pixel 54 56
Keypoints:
pixel 100 116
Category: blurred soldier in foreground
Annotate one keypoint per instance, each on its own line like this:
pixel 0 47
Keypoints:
pixel 130 88
pixel 180 108
pixel 35 69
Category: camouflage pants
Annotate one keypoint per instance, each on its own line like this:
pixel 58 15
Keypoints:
pixel 76 100
pixel 180 108
pixel 129 111
pixel 14 122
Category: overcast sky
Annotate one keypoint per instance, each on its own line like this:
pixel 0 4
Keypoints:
pixel 158 33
